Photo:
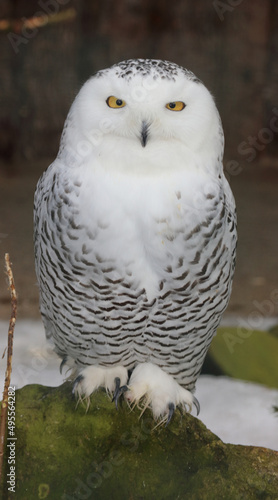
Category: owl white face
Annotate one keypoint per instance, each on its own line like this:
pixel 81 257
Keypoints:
pixel 150 114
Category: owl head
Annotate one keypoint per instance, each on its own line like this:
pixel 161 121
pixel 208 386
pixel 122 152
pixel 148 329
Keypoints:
pixel 143 116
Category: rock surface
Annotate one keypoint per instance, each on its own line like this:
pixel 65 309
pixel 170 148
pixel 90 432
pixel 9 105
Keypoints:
pixel 62 452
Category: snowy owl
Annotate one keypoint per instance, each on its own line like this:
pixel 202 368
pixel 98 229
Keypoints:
pixel 135 235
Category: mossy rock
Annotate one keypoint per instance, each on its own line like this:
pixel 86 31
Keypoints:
pixel 244 354
pixel 62 452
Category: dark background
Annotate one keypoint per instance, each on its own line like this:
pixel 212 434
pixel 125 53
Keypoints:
pixel 48 48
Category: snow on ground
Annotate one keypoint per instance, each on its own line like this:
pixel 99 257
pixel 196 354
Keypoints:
pixel 238 412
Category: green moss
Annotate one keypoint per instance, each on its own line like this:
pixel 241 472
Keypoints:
pixel 246 354
pixel 64 453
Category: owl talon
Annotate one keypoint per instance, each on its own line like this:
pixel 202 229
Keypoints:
pixel 76 383
pixel 119 390
pixel 171 407
pixel 63 362
pixel 197 405
pixel 117 386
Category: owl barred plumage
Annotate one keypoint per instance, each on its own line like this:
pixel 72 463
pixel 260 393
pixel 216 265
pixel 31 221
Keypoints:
pixel 135 234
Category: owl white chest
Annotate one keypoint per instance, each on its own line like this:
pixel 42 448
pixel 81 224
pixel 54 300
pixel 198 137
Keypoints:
pixel 139 223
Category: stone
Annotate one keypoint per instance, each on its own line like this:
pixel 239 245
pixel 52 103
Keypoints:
pixel 64 452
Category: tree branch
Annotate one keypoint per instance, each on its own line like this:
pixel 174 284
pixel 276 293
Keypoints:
pixel 4 408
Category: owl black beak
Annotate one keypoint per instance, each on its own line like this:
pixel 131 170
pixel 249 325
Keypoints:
pixel 144 133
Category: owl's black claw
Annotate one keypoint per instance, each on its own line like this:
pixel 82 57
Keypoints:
pixel 116 392
pixel 119 390
pixel 197 405
pixel 63 362
pixel 171 407
pixel 76 382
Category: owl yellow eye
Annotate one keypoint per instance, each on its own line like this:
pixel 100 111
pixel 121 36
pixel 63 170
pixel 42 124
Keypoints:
pixel 175 106
pixel 115 102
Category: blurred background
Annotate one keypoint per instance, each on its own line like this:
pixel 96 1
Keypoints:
pixel 48 48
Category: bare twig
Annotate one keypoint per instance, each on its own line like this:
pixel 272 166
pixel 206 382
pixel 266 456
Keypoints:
pixel 9 360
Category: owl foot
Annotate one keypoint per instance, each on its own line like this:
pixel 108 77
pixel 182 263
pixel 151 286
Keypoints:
pixel 150 386
pixel 94 376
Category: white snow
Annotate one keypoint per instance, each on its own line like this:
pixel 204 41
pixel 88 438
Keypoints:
pixel 238 412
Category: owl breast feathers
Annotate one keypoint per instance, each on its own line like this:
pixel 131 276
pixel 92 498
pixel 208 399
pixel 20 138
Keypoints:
pixel 135 235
